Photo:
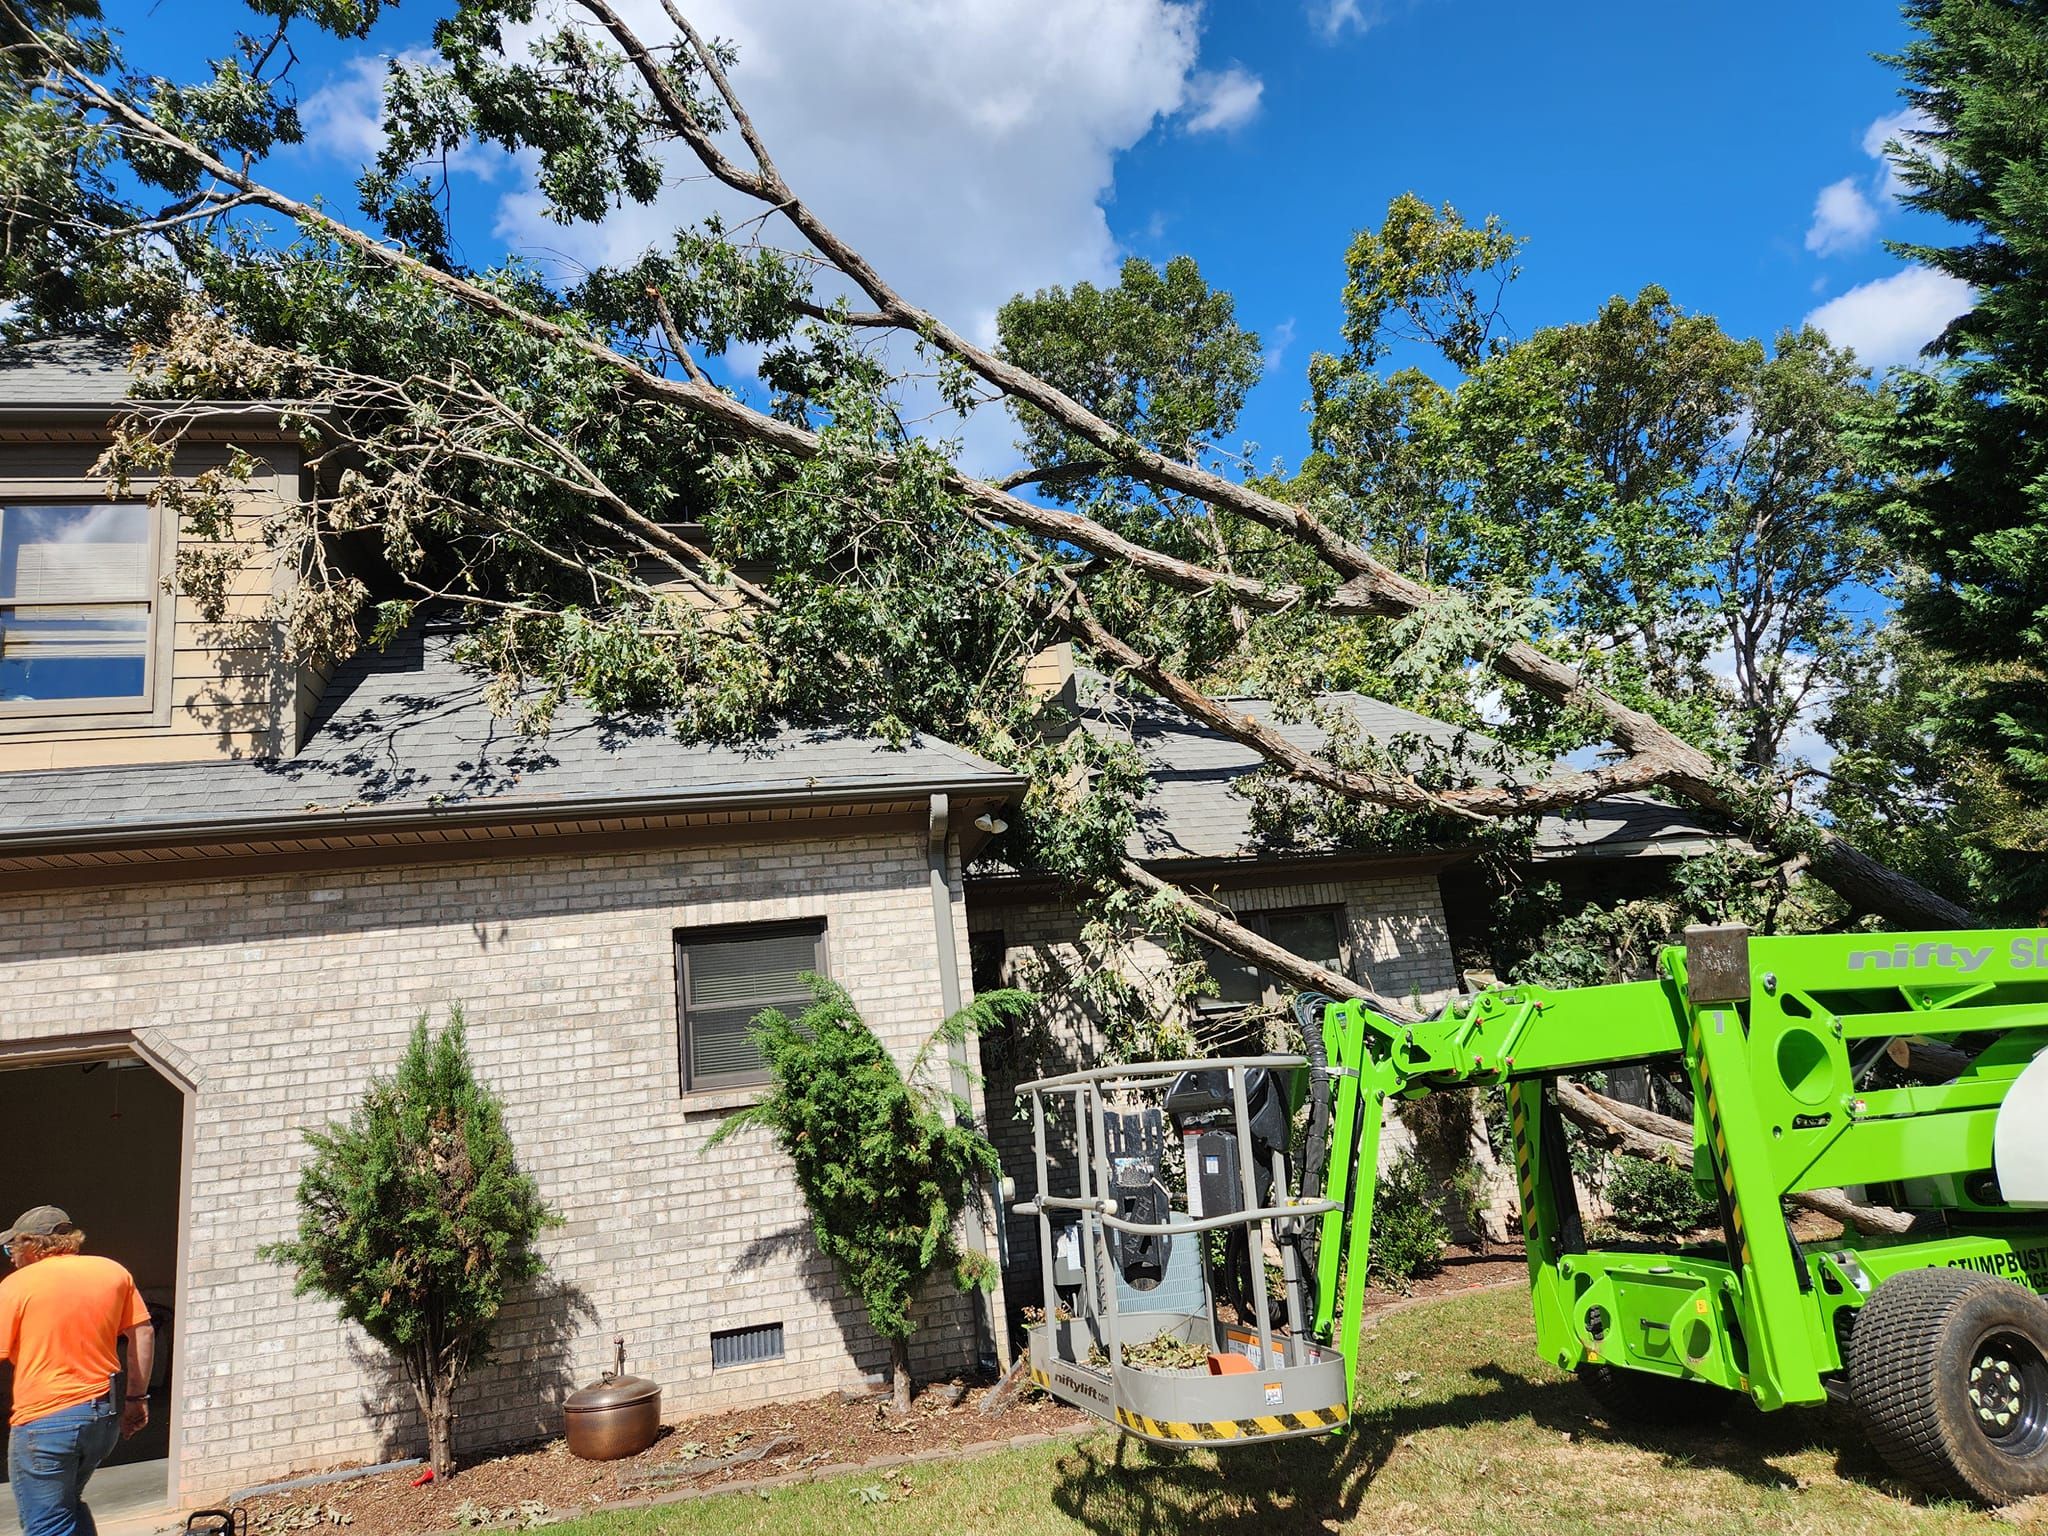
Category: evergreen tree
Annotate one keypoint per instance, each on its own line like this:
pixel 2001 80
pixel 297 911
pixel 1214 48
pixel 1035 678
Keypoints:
pixel 1973 435
pixel 882 1159
pixel 415 1219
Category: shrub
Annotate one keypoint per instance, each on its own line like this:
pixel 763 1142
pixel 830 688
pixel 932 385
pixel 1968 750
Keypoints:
pixel 883 1167
pixel 415 1218
pixel 1655 1199
pixel 1408 1235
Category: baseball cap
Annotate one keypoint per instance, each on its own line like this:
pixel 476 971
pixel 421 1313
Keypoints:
pixel 43 1221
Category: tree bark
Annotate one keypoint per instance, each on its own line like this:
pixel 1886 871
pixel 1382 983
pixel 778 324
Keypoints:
pixel 1496 1205
pixel 899 1376
pixel 441 1434
pixel 1931 1061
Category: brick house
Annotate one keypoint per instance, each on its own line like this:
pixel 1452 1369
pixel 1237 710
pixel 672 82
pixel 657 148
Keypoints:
pixel 229 885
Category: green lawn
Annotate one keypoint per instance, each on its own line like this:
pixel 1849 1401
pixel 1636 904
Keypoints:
pixel 1483 1438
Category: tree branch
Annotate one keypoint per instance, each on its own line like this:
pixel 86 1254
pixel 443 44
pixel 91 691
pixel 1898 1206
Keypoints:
pixel 1654 754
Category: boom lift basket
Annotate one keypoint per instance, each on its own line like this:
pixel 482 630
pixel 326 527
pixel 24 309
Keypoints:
pixel 1125 1254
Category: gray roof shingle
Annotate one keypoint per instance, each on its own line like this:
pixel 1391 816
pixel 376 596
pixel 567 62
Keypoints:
pixel 1196 812
pixel 88 373
pixel 407 734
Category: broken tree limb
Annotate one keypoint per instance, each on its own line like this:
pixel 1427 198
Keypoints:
pixel 1645 1133
pixel 1652 754
pixel 1004 1392
pixel 1931 1061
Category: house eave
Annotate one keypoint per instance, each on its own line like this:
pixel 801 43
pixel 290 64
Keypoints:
pixel 368 835
pixel 206 418
pixel 1233 873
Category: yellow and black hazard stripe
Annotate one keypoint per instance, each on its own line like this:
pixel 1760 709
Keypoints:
pixel 1525 1167
pixel 1301 1422
pixel 1719 1137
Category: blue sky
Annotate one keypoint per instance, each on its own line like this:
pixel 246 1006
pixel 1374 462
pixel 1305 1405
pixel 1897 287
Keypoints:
pixel 975 147
pixel 1630 143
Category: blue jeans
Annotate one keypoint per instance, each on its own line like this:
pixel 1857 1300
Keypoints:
pixel 51 1459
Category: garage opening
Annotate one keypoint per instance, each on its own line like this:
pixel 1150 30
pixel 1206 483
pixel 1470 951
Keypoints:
pixel 104 1140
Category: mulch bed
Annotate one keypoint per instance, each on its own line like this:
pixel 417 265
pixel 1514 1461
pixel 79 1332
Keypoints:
pixel 1464 1269
pixel 742 1444
pixel 722 1449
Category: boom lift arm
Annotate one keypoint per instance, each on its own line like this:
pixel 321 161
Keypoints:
pixel 1777 1038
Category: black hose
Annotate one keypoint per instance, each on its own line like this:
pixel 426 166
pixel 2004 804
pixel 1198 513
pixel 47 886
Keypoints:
pixel 1315 1152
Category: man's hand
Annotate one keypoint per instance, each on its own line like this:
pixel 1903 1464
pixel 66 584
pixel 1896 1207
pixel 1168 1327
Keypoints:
pixel 141 1362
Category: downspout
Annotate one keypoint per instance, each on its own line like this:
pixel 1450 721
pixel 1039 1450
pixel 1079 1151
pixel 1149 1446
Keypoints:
pixel 991 1344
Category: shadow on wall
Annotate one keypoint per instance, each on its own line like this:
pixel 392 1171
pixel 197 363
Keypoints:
pixel 514 1398
pixel 866 1348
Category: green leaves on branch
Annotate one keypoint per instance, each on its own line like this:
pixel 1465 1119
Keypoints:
pixel 1968 435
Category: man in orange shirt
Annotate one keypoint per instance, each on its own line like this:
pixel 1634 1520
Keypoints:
pixel 62 1315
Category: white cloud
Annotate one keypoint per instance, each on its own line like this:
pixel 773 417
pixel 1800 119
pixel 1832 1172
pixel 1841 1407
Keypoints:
pixel 1843 219
pixel 1334 18
pixel 1894 125
pixel 1222 99
pixel 344 117
pixel 1888 321
pixel 967 148
pixel 1846 213
pixel 341 118
pixel 1278 340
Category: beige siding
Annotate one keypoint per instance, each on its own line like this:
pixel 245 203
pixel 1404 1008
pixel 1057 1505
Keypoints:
pixel 281 996
pixel 228 695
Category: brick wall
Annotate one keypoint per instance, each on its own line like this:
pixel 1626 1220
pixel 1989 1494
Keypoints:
pixel 1396 942
pixel 279 997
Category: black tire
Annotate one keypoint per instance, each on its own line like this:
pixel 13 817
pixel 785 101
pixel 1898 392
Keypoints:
pixel 1948 1372
pixel 1628 1398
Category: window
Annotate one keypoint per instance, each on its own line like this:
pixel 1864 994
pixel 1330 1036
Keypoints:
pixel 78 606
pixel 1314 933
pixel 986 953
pixel 727 976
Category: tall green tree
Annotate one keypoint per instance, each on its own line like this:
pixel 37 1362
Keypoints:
pixel 885 1162
pixel 1971 432
pixel 415 1219
pixel 1689 509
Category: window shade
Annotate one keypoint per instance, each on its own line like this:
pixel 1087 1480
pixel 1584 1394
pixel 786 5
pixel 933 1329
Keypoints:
pixel 729 981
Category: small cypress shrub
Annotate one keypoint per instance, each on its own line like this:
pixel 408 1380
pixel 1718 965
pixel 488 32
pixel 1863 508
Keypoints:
pixel 880 1158
pixel 415 1218
pixel 1408 1234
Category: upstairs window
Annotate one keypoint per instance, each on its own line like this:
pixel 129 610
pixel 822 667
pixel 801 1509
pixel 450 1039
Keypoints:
pixel 1314 933
pixel 725 977
pixel 78 607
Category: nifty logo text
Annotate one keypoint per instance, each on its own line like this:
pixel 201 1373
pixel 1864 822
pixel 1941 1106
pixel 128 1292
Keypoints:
pixel 2024 953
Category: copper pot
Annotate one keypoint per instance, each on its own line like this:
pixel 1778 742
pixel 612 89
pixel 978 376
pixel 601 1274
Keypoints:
pixel 616 1415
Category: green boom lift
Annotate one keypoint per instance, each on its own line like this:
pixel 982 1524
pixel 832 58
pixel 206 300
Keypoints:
pixel 1162 1189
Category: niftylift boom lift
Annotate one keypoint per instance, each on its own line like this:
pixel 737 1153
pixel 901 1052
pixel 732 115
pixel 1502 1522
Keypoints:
pixel 1937 1338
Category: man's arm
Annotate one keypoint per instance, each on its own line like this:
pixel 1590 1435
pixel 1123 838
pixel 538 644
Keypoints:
pixel 141 1362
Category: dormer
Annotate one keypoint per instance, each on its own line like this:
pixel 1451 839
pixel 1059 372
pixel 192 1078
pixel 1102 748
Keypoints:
pixel 101 659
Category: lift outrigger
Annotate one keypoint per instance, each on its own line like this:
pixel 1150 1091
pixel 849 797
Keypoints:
pixel 1161 1315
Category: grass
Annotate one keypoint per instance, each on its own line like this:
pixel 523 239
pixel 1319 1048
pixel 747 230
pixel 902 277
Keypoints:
pixel 1482 1438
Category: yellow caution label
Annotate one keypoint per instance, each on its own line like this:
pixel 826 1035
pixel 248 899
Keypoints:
pixel 1234 1429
